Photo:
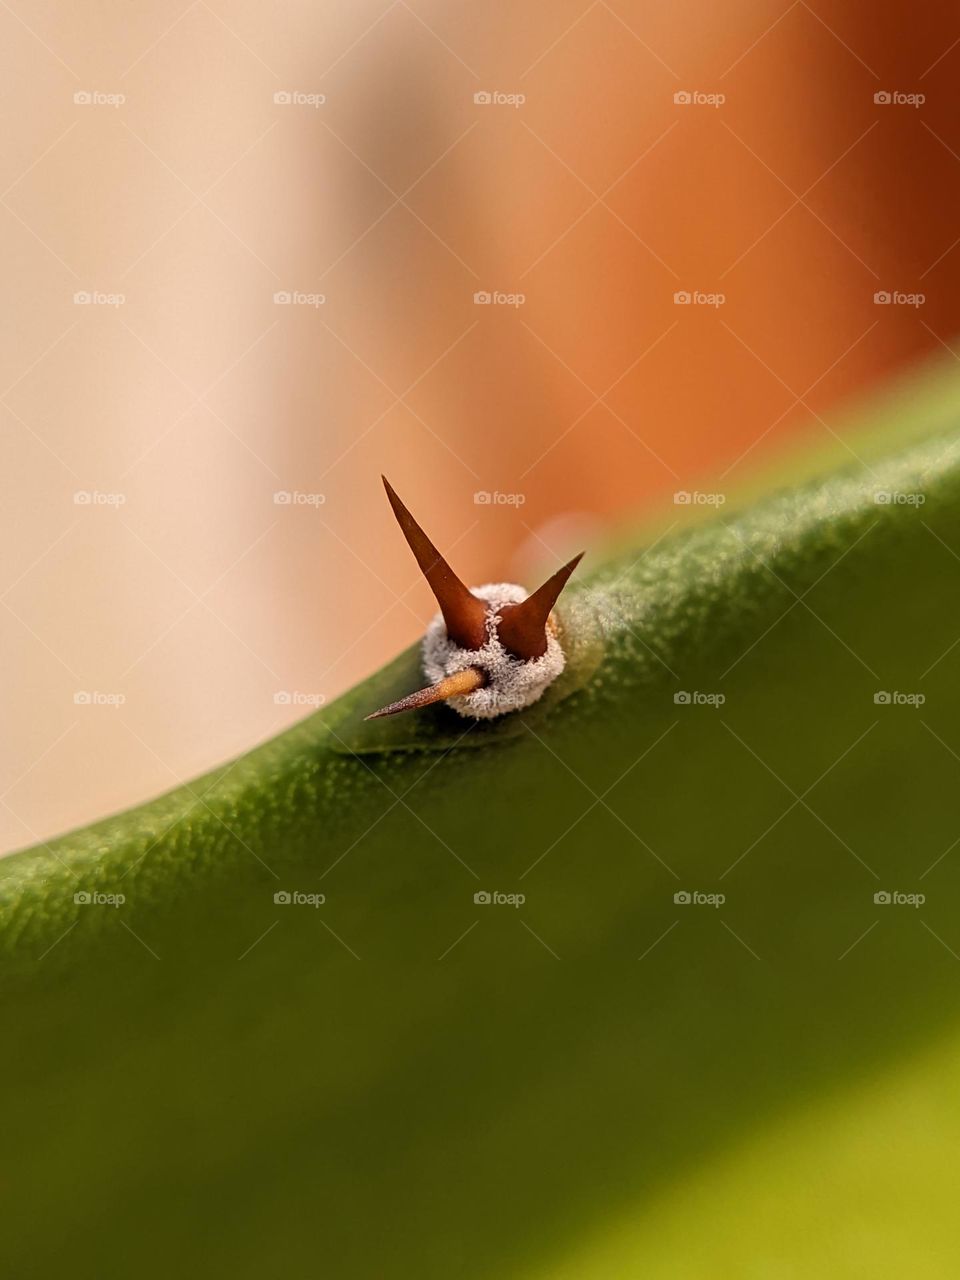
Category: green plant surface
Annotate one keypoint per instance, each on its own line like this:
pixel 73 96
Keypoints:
pixel 849 1183
pixel 598 1082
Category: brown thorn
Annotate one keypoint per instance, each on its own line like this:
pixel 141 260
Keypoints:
pixel 462 682
pixel 523 627
pixel 464 614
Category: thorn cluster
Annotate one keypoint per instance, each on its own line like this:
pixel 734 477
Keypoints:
pixel 502 633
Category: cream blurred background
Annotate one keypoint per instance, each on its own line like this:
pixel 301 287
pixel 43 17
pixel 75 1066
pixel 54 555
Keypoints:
pixel 217 614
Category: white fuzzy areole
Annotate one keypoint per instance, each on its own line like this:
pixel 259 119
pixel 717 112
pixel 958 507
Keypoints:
pixel 511 682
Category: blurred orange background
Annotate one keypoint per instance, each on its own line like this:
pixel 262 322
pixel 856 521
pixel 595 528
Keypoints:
pixel 781 164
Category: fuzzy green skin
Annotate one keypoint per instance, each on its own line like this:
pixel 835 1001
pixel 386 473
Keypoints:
pixel 228 1086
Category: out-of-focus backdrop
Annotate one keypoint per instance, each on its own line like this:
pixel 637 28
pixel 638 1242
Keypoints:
pixel 547 265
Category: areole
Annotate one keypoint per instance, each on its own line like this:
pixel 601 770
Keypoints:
pixel 491 650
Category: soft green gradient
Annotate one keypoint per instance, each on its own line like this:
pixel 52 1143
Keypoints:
pixel 204 1081
pixel 856 1184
